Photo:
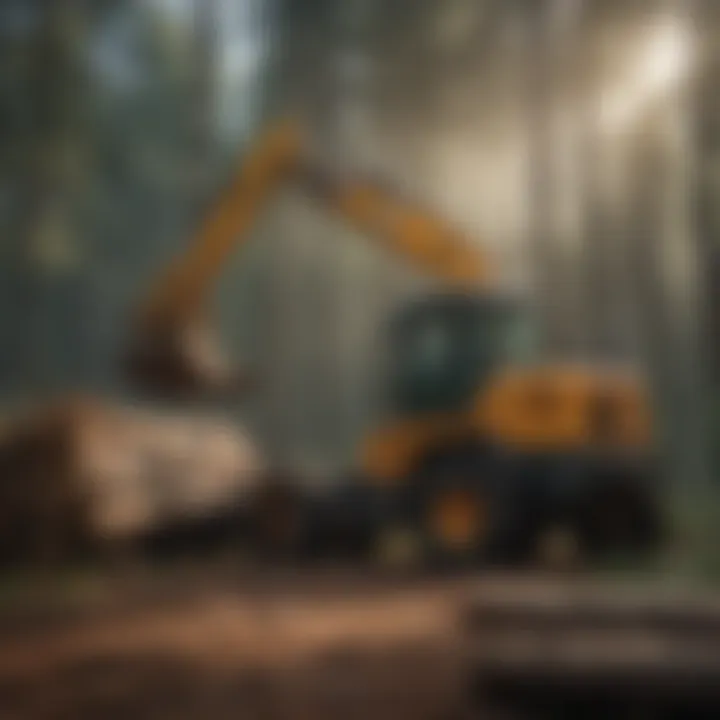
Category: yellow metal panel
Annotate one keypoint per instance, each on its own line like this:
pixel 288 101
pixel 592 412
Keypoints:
pixel 560 408
pixel 391 452
pixel 538 410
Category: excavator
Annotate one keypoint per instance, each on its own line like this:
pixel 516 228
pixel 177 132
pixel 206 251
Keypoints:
pixel 488 454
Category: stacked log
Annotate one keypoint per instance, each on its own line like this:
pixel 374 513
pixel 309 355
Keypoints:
pixel 593 649
pixel 84 475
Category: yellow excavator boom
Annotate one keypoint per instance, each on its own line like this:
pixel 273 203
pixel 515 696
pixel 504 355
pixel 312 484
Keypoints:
pixel 181 288
pixel 176 298
pixel 404 227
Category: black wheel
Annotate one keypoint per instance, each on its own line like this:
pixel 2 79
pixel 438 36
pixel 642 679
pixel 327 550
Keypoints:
pixel 454 516
pixel 469 506
pixel 279 521
pixel 620 518
pixel 345 520
pixel 455 521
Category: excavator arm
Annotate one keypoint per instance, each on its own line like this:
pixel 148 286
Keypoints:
pixel 171 351
pixel 408 230
pixel 180 290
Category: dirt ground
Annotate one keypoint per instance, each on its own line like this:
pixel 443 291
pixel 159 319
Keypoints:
pixel 287 644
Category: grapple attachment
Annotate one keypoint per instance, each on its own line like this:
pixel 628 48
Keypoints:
pixel 180 361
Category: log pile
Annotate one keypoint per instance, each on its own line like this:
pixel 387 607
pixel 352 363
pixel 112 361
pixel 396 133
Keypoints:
pixel 81 474
pixel 540 647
